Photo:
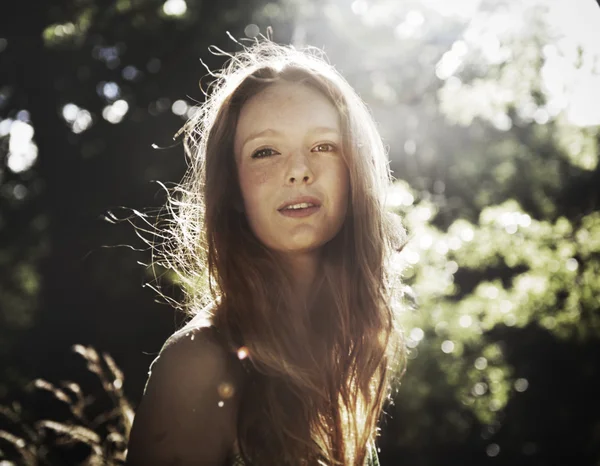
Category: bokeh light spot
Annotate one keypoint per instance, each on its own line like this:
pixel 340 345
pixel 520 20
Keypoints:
pixel 242 353
pixel 19 192
pixel 5 126
pixel 510 320
pixel 481 363
pixel 447 346
pixel 451 267
pixel 69 112
pixel 398 196
pixel 114 113
pixel 412 257
pixel 111 90
pixel 479 389
pixel 23 115
pixel 174 7
pixel 22 151
pixel 82 122
pixel 417 334
pixel 505 306
pixel 493 449
pixel 226 390
pixel 251 31
pixel 465 321
pixel 521 385
pixel 467 234
pixel 572 264
pixel 179 107
pixel 130 73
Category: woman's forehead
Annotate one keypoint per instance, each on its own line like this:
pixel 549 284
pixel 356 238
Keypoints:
pixel 286 104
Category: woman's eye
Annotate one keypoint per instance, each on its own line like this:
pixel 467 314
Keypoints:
pixel 262 153
pixel 325 147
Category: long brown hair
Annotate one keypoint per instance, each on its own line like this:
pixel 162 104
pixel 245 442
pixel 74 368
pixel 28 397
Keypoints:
pixel 320 375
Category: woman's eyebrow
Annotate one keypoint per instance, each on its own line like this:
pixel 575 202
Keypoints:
pixel 274 132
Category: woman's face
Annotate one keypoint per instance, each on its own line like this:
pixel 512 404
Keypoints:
pixel 288 151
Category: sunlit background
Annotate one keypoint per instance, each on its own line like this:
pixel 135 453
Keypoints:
pixel 490 111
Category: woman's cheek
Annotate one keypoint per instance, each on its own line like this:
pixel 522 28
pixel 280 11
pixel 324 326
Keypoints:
pixel 254 190
pixel 264 171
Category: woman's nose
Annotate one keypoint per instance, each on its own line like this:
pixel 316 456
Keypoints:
pixel 299 169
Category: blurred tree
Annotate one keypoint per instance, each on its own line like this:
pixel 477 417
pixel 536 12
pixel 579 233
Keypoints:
pixel 86 89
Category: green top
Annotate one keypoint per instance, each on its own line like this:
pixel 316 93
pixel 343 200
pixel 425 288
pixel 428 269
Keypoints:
pixel 372 459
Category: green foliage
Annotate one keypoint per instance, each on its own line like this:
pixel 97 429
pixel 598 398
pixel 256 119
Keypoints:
pixel 529 271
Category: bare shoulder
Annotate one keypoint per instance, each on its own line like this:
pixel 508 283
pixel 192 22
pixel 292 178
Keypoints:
pixel 193 348
pixel 199 360
pixel 202 343
pixel 188 413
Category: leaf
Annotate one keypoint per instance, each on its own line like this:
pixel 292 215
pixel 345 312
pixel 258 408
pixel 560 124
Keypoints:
pixel 58 393
pixel 18 442
pixel 77 433
pixel 114 369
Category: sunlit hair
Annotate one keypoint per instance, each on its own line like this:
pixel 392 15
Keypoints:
pixel 319 376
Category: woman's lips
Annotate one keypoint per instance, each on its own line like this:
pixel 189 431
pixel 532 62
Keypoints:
pixel 296 213
pixel 300 200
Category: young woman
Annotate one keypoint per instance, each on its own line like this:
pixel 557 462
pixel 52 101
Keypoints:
pixel 280 236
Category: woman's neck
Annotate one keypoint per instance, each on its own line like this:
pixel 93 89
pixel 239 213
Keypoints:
pixel 304 268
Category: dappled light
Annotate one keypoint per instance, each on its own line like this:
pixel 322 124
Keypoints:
pixel 78 118
pixel 490 116
pixel 115 112
pixel 22 150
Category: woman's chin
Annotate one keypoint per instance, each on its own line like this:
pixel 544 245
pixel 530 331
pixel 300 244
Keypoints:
pixel 300 247
pixel 303 248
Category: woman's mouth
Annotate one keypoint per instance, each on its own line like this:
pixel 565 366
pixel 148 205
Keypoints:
pixel 300 206
pixel 300 210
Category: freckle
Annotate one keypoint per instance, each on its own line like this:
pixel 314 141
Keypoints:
pixel 262 177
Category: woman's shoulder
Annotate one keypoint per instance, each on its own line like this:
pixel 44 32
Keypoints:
pixel 197 334
pixel 189 408
pixel 198 348
pixel 200 344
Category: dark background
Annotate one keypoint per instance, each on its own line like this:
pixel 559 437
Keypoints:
pixel 69 276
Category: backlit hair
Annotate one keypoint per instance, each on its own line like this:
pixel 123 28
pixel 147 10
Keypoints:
pixel 320 376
